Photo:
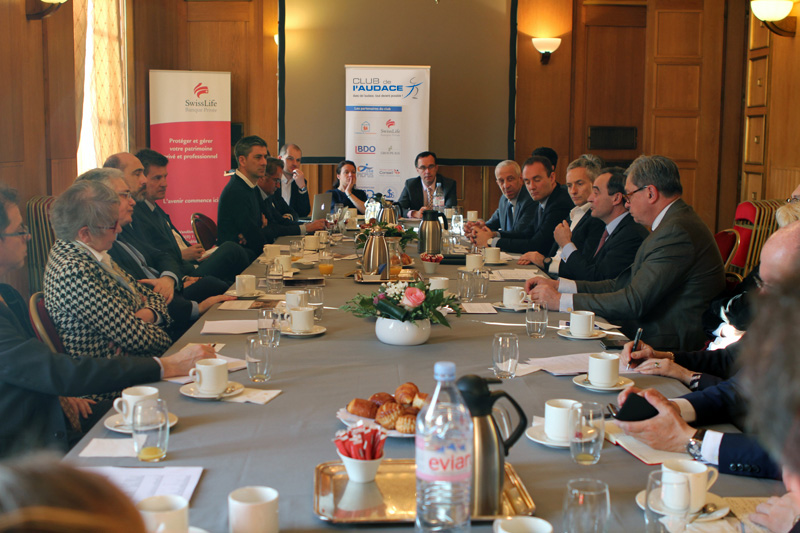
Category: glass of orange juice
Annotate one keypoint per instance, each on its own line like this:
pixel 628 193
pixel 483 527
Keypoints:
pixel 150 429
pixel 325 263
pixel 296 250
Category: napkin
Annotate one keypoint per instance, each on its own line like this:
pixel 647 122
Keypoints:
pixel 725 525
pixel 259 396
pixel 477 308
pixel 229 327
pixel 108 448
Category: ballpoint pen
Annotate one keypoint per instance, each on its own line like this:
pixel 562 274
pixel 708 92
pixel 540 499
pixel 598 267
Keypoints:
pixel 636 340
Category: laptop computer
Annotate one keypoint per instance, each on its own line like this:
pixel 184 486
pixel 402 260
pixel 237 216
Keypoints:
pixel 322 206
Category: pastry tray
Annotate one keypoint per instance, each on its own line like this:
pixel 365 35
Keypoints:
pixel 391 498
pixel 407 274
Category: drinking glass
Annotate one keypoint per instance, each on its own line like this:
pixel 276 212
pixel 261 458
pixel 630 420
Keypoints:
pixel 315 301
pixel 259 366
pixel 482 282
pixel 587 425
pixel 150 428
pixel 274 277
pixel 667 502
pixel 325 264
pixel 269 326
pixel 296 250
pixel 505 355
pixel 536 320
pixel 466 285
pixel 587 506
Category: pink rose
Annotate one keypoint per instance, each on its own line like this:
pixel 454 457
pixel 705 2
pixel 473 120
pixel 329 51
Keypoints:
pixel 378 298
pixel 413 297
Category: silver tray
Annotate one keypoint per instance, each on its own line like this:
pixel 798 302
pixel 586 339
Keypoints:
pixel 392 496
pixel 407 274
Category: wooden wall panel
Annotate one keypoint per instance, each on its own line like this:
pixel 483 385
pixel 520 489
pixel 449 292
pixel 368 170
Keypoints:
pixel 12 42
pixel 782 182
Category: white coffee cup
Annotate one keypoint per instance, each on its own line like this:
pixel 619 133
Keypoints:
pixel 556 419
pixel 322 235
pixel 245 284
pixel 165 513
pixel 581 323
pixel 522 524
pixel 311 242
pixel 271 251
pixel 474 261
pixel 253 510
pixel 491 254
pixel 130 397
pixel 604 369
pixel 285 261
pixel 472 216
pixel 302 319
pixel 210 375
pixel 701 477
pixel 513 296
pixel 296 298
pixel 439 282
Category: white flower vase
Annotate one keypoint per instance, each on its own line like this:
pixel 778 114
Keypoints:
pixel 397 333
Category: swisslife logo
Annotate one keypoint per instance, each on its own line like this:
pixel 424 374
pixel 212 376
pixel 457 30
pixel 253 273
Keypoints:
pixel 198 104
pixel 390 123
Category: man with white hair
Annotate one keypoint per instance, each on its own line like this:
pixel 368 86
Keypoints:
pixel 516 210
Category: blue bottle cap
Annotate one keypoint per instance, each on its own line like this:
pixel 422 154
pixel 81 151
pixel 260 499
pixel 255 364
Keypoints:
pixel 444 371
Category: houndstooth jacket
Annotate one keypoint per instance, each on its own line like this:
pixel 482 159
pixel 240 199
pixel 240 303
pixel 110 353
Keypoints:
pixel 94 312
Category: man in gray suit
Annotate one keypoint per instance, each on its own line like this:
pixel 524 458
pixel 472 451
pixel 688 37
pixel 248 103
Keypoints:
pixel 676 273
pixel 516 210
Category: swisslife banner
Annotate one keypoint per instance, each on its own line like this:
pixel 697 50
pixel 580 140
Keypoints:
pixel 387 111
pixel 190 123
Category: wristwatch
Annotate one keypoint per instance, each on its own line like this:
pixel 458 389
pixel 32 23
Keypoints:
pixel 547 260
pixel 695 445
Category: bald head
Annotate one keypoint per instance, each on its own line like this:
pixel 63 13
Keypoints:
pixel 131 168
pixel 780 255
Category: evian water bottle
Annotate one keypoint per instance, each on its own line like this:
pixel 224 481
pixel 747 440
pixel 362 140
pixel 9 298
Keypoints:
pixel 438 198
pixel 444 457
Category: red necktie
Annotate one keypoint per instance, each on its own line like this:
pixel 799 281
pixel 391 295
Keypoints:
pixel 602 242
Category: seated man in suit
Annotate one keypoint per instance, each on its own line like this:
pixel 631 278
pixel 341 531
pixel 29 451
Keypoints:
pixel 417 195
pixel 553 207
pixel 239 217
pixel 294 189
pixel 33 377
pixel 675 274
pixel 721 402
pixel 621 236
pixel 153 225
pixel 582 232
pixel 516 209
pixel 280 216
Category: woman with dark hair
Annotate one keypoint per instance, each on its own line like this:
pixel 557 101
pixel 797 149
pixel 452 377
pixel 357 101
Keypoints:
pixel 344 188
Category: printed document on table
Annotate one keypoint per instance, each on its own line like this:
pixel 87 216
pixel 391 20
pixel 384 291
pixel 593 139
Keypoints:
pixel 640 450
pixel 479 308
pixel 140 483
pixel 567 365
pixel 518 274
pixel 233 327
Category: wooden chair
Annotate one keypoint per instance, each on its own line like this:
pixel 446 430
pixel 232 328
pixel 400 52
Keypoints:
pixel 46 332
pixel 42 239
pixel 205 230
pixel 728 243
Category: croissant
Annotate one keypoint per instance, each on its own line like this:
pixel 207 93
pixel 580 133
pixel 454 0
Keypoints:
pixel 420 399
pixel 380 398
pixel 387 414
pixel 361 407
pixel 406 424
pixel 405 393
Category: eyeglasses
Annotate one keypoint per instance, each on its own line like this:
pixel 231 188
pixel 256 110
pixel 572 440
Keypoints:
pixel 22 232
pixel 793 199
pixel 126 195
pixel 429 167
pixel 627 196
pixel 114 227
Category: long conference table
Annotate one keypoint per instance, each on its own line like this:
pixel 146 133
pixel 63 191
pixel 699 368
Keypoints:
pixel 280 444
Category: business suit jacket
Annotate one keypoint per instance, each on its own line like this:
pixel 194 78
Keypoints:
pixel 674 276
pixel 298 200
pixel 280 216
pixel 539 238
pixel 155 227
pixel 238 212
pixel 739 454
pixel 32 378
pixel 524 214
pixel 94 312
pixel 412 198
pixel 614 257
pixel 715 366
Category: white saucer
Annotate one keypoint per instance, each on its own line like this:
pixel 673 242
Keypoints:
pixel 500 307
pixel 593 337
pixel 495 263
pixel 190 390
pixel 721 512
pixel 299 265
pixel 317 330
pixel 536 434
pixel 295 270
pixel 117 423
pixel 583 381
pixel 249 296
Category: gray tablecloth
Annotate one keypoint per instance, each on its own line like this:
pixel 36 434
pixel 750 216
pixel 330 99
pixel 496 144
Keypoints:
pixel 280 444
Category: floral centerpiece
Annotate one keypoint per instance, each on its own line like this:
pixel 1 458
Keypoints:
pixel 404 311
pixel 390 230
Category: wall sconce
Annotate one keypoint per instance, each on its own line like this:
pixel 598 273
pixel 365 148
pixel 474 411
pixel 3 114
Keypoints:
pixel 49 10
pixel 546 46
pixel 773 11
pixel 277 38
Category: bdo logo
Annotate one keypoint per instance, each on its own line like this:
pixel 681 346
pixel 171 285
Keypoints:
pixel 365 149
